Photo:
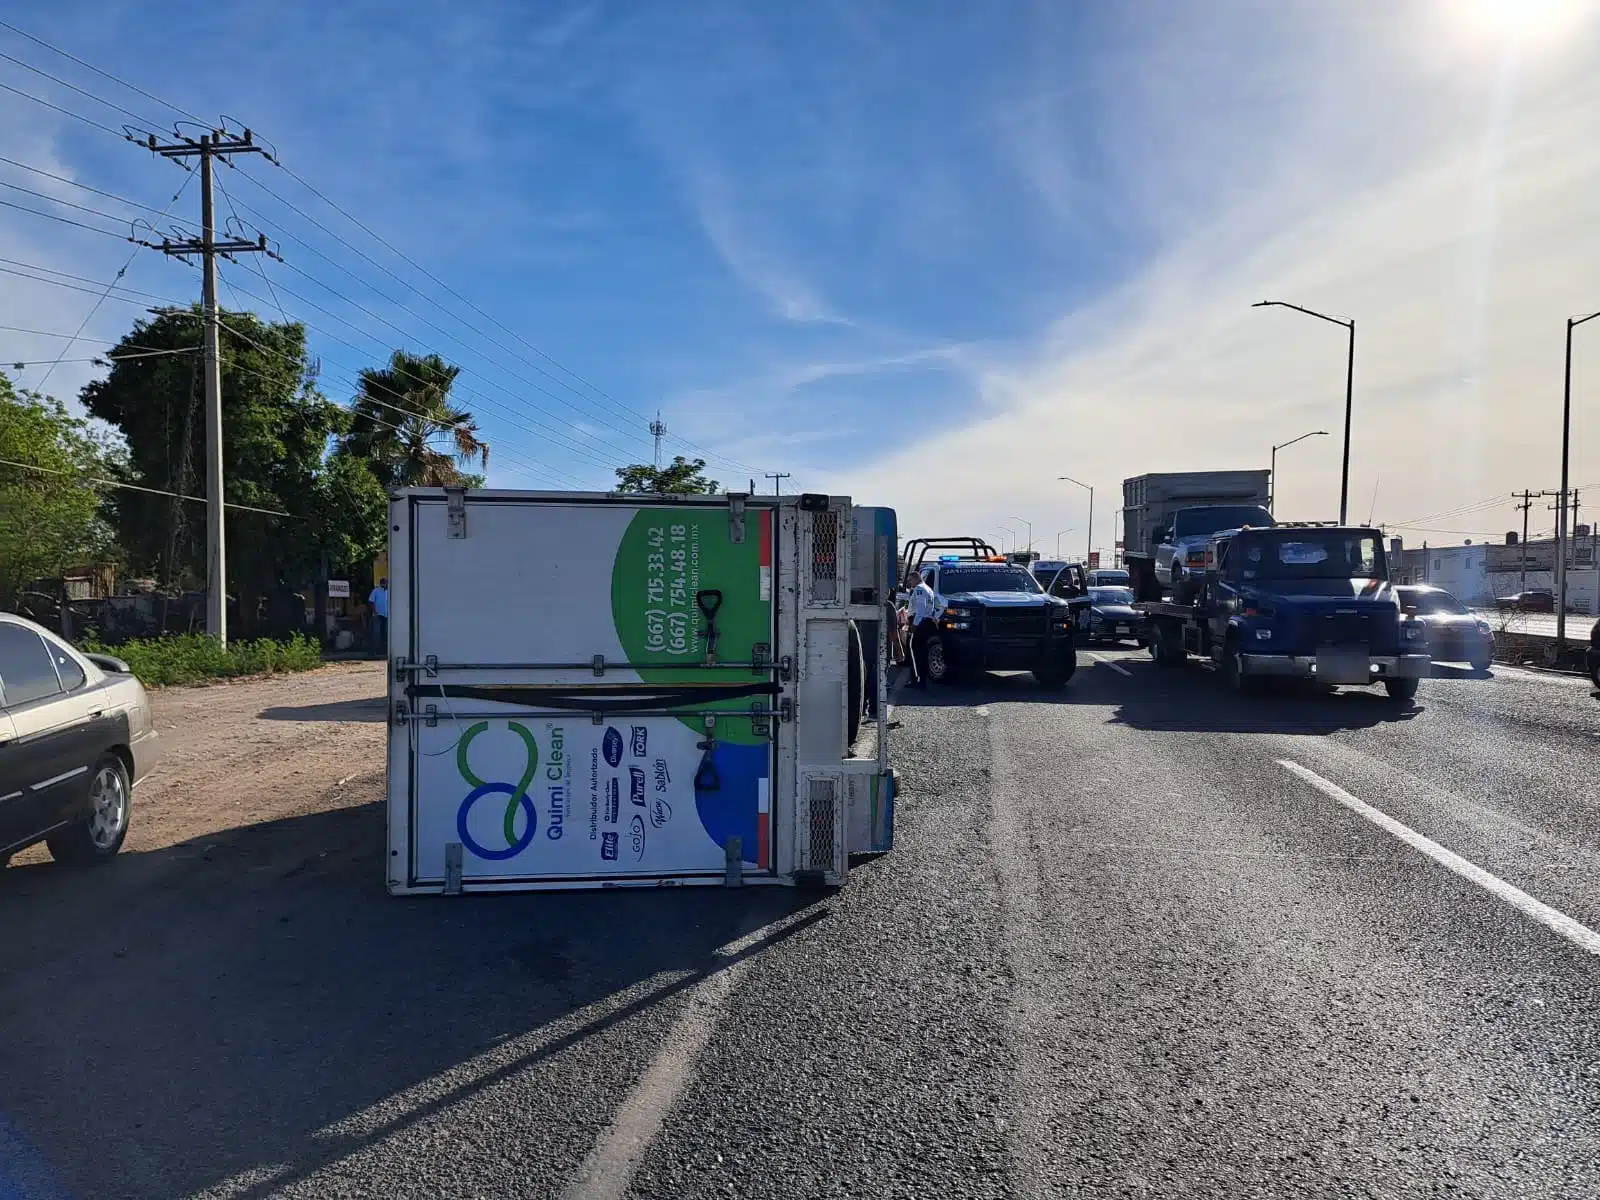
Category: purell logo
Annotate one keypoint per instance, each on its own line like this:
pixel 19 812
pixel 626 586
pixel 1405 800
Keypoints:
pixel 636 785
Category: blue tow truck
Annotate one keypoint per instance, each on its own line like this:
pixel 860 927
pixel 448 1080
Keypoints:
pixel 1295 600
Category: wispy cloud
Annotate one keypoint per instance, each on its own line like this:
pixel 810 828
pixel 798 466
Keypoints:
pixel 1459 264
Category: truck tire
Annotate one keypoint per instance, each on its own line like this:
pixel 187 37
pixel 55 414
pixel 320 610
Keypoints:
pixel 1401 689
pixel 1594 674
pixel 1057 674
pixel 855 676
pixel 1165 647
pixel 940 668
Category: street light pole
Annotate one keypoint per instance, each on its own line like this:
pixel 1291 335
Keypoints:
pixel 1089 548
pixel 1272 475
pixel 1561 502
pixel 1058 540
pixel 1029 524
pixel 1349 390
pixel 1005 529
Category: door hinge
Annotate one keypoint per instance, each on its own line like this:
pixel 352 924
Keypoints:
pixel 455 512
pixel 736 502
pixel 785 709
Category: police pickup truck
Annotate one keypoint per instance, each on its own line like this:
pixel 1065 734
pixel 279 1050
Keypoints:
pixel 1292 601
pixel 994 616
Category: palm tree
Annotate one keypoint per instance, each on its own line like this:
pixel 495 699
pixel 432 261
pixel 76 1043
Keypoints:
pixel 407 429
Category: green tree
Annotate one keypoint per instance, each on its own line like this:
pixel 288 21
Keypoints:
pixel 49 517
pixel 680 477
pixel 405 426
pixel 277 430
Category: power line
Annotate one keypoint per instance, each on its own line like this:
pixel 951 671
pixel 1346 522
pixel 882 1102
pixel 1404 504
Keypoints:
pixel 67 220
pixel 134 487
pixel 91 67
pixel 143 121
pixel 121 271
pixel 132 292
pixel 63 111
pixel 74 87
pixel 46 196
pixel 511 415
pixel 626 411
pixel 97 358
pixel 74 183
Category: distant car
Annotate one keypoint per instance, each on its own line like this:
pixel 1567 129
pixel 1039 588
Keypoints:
pixel 1112 617
pixel 1535 600
pixel 76 735
pixel 1593 655
pixel 1109 577
pixel 1454 634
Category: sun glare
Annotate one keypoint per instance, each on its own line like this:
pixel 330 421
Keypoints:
pixel 1525 21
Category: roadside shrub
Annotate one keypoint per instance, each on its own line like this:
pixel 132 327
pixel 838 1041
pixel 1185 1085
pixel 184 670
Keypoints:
pixel 190 657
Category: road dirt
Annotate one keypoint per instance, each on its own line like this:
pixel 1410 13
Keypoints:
pixel 243 752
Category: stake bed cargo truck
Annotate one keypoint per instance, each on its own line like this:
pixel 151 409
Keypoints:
pixel 599 690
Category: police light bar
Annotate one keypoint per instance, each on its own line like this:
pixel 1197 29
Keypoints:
pixel 949 558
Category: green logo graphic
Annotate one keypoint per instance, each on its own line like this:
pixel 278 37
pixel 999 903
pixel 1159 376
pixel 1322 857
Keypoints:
pixel 516 797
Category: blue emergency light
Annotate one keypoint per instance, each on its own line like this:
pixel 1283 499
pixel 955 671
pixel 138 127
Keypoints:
pixel 949 558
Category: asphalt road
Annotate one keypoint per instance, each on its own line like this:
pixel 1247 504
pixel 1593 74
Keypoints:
pixel 1138 937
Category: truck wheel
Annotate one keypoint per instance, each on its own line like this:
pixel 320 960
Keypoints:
pixel 1594 673
pixel 940 669
pixel 855 675
pixel 1401 689
pixel 1057 675
pixel 1167 651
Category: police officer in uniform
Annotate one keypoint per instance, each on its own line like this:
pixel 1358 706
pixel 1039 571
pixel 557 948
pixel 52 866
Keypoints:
pixel 922 609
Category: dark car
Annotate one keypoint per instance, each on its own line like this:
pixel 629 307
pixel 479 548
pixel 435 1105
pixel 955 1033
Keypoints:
pixel 1534 600
pixel 75 736
pixel 1593 656
pixel 1454 634
pixel 1112 617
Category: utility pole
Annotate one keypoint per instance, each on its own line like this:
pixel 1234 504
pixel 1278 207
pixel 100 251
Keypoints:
pixel 777 478
pixel 207 148
pixel 658 430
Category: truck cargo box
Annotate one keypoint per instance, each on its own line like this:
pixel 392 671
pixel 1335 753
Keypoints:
pixel 596 690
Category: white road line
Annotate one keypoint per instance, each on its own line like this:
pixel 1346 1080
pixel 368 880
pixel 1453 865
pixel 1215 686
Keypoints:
pixel 1553 919
pixel 608 1170
pixel 982 710
pixel 1117 667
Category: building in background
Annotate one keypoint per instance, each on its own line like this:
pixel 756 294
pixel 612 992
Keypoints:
pixel 1477 573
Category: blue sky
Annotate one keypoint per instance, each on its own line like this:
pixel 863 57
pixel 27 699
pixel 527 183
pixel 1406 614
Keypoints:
pixel 932 255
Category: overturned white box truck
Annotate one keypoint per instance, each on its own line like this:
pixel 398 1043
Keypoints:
pixel 596 690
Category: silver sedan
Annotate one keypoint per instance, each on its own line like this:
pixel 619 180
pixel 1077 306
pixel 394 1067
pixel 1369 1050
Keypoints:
pixel 76 737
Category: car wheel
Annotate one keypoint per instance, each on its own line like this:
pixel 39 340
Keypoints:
pixel 99 835
pixel 1594 674
pixel 940 669
pixel 1481 663
pixel 1401 689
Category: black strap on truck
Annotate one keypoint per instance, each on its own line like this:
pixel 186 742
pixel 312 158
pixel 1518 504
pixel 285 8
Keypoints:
pixel 611 698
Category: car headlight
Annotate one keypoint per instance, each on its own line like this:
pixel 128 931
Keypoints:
pixel 957 613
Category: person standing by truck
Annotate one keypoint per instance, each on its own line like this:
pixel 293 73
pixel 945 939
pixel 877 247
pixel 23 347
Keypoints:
pixel 379 599
pixel 922 609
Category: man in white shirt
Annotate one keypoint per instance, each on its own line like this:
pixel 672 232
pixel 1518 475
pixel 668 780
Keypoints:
pixel 379 599
pixel 921 608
